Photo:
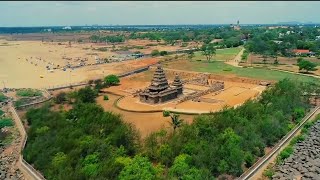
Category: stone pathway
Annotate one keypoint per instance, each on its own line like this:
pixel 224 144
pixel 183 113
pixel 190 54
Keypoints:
pixel 304 163
pixel 9 156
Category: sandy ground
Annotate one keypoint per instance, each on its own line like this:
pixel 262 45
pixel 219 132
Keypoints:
pixel 17 72
pixel 146 123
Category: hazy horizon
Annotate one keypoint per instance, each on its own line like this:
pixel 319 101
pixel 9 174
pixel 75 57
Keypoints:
pixel 73 13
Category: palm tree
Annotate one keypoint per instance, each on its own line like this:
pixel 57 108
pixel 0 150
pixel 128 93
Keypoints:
pixel 175 119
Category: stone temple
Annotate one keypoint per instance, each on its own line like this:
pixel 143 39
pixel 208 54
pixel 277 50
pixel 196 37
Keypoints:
pixel 159 91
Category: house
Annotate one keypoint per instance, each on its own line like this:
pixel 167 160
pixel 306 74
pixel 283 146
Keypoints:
pixel 299 52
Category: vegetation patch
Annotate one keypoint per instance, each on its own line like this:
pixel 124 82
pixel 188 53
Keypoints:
pixel 5 122
pixel 28 92
pixel 2 97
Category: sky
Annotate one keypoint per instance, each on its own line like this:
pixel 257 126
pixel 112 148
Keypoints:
pixel 72 13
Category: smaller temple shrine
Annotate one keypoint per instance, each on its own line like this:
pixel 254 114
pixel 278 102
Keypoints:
pixel 159 91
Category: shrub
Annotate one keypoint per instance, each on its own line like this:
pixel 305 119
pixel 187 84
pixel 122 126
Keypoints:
pixel 105 97
pixel 103 49
pixel 111 80
pixel 269 173
pixel 5 122
pixel 61 98
pixel 227 69
pixel 163 53
pixel 2 97
pixel 296 139
pixel 1 112
pixel 285 153
pixel 155 53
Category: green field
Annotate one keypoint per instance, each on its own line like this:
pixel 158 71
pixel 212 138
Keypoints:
pixel 221 54
pixel 222 68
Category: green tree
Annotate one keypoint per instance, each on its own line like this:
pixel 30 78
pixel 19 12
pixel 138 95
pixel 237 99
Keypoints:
pixel 230 151
pixel 139 168
pixel 111 80
pixel 208 50
pixel 182 169
pixel 175 119
pixel 86 95
pixel 307 65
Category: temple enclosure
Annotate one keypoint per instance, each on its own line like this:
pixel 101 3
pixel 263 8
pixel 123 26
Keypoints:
pixel 202 93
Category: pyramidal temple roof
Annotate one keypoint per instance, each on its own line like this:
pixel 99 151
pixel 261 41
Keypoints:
pixel 159 81
pixel 177 82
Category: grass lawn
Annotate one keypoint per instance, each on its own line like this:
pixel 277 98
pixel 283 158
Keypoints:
pixel 222 68
pixel 221 54
pixel 28 92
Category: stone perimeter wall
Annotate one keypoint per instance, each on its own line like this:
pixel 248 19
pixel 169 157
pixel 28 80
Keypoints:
pixel 190 75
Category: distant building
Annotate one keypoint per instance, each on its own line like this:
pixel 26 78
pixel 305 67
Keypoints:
pixel 276 27
pixel 236 27
pixel 67 28
pixel 299 52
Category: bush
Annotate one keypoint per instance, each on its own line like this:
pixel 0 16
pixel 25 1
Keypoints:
pixel 103 49
pixel 227 69
pixel 284 154
pixel 19 103
pixel 296 139
pixel 111 80
pixel 155 53
pixel 1 112
pixel 28 92
pixel 105 97
pixel 2 97
pixel 61 98
pixel 163 53
pixel 269 173
pixel 6 122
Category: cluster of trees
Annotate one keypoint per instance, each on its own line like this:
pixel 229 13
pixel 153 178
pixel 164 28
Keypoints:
pixel 306 65
pixel 232 38
pixel 279 42
pixel 109 39
pixel 82 143
pixel 88 143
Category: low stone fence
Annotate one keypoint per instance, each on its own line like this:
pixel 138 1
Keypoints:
pixel 46 97
pixel 28 171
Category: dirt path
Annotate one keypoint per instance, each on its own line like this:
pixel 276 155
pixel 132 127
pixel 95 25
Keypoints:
pixel 236 60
